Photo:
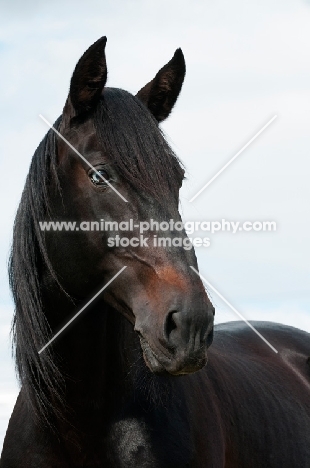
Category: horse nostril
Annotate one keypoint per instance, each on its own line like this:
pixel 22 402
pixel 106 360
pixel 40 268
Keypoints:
pixel 170 324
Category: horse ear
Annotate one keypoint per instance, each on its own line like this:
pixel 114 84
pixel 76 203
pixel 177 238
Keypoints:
pixel 88 80
pixel 160 94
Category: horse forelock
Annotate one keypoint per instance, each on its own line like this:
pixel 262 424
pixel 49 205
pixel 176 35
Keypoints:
pixel 130 135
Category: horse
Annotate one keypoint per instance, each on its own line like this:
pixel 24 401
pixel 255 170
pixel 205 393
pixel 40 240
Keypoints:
pixel 140 378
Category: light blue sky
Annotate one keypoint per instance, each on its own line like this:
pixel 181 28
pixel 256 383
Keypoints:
pixel 246 61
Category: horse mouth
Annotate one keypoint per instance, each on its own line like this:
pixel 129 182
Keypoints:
pixel 150 357
pixel 156 365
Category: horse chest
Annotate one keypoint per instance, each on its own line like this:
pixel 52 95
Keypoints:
pixel 129 444
pixel 135 442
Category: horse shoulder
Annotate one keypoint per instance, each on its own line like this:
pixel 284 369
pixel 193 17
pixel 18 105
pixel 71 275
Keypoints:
pixel 26 443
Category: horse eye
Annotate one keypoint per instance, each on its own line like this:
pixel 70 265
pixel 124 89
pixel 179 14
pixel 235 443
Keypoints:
pixel 97 180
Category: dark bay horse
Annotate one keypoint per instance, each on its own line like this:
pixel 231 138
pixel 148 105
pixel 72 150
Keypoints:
pixel 126 384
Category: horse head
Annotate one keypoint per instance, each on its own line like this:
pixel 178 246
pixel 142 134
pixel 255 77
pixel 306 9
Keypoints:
pixel 129 174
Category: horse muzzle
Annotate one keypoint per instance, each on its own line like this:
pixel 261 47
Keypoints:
pixel 182 349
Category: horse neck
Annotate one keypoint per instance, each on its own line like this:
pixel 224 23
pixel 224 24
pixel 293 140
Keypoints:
pixel 96 353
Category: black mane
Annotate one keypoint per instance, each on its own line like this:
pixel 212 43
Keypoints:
pixel 39 376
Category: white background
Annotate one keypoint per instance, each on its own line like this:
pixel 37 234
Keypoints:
pixel 246 61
